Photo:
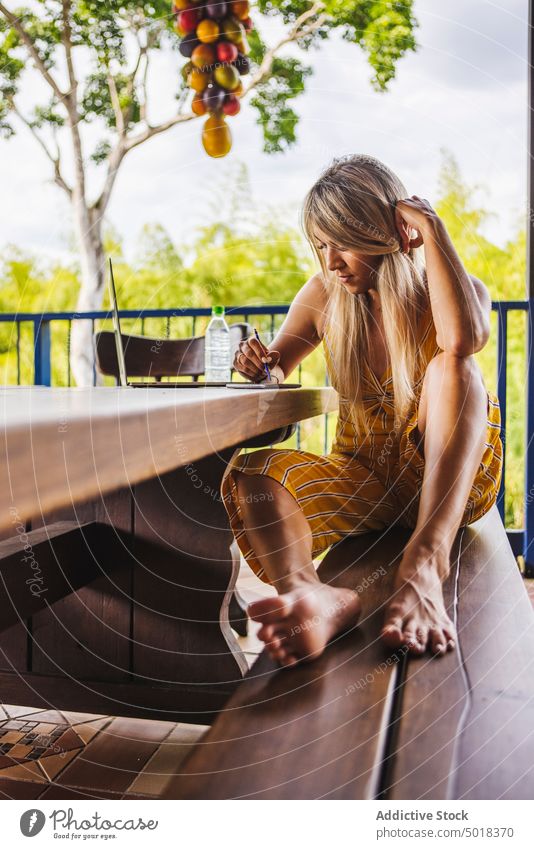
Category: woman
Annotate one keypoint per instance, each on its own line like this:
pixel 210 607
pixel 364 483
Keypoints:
pixel 418 435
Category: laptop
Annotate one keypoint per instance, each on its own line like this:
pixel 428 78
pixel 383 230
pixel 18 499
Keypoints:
pixel 123 377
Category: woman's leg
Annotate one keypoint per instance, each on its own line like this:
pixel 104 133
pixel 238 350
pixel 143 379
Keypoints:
pixel 452 423
pixel 307 613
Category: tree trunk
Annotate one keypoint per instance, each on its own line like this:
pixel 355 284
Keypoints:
pixel 82 356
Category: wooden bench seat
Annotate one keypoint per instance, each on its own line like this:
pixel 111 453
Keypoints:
pixel 360 724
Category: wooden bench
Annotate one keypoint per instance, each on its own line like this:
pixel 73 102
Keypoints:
pixel 360 724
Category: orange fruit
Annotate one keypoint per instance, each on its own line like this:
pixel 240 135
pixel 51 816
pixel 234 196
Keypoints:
pixel 198 80
pixel 208 31
pixel 197 105
pixel 241 9
pixel 216 136
pixel 238 91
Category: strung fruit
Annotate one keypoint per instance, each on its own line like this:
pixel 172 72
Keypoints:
pixel 197 105
pixel 227 76
pixel 242 64
pixel 186 70
pixel 227 52
pixel 203 56
pixel 188 19
pixel 208 31
pixel 180 5
pixel 217 10
pixel 241 9
pixel 213 98
pixel 198 80
pixel 247 23
pixel 233 29
pixel 231 105
pixel 216 136
pixel 239 90
pixel 178 29
pixel 188 44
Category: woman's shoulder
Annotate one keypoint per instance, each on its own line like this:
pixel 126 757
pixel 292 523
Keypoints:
pixel 313 297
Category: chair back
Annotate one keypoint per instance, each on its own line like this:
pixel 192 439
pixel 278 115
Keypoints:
pixel 158 358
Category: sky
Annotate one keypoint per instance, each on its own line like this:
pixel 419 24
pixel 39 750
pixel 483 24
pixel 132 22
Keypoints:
pixel 464 90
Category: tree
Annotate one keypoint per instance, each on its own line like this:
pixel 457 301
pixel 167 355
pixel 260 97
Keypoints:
pixel 120 38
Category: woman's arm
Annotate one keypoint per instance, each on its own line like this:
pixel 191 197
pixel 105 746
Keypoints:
pixel 460 303
pixel 297 337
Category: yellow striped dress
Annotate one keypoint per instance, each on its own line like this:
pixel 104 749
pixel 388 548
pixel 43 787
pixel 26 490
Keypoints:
pixel 369 479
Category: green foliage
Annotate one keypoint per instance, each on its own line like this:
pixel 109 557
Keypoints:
pixel 233 261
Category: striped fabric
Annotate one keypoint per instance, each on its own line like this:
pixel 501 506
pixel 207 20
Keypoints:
pixel 369 479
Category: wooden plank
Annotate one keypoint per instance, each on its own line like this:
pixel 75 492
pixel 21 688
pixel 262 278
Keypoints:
pixel 181 597
pixel 433 697
pixel 31 568
pixel 178 704
pixel 133 434
pixel 317 730
pixel 495 758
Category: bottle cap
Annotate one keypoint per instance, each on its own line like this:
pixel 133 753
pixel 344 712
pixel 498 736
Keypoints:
pixel 217 310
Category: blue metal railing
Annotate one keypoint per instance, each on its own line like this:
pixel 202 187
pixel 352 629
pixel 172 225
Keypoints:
pixel 522 541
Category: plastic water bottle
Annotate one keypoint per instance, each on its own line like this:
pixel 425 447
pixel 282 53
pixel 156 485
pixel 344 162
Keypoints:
pixel 217 365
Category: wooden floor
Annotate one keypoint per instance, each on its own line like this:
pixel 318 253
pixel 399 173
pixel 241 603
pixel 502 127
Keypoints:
pixel 54 754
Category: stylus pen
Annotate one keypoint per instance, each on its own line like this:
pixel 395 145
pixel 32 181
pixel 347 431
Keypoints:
pixel 261 343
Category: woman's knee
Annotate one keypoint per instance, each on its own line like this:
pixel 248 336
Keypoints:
pixel 464 371
pixel 254 490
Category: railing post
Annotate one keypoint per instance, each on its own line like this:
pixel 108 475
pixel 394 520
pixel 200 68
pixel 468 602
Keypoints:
pixel 502 346
pixel 41 353
pixel 528 546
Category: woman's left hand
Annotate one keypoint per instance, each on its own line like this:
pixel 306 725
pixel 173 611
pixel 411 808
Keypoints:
pixel 413 213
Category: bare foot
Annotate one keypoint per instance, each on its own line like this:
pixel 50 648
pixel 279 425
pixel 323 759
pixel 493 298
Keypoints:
pixel 416 615
pixel 298 624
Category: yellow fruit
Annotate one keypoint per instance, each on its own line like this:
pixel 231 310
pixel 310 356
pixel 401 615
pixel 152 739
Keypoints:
pixel 227 76
pixel 198 80
pixel 216 136
pixel 208 31
pixel 238 90
pixel 233 30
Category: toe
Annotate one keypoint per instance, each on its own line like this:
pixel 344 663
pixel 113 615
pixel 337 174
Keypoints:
pixel 392 632
pixel 269 610
pixel 437 640
pixel 411 639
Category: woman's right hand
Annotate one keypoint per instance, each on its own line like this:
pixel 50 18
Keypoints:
pixel 249 359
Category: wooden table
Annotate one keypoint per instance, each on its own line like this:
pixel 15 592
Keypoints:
pixel 117 557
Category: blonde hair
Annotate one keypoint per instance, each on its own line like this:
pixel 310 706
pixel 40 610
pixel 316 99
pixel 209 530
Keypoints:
pixel 353 204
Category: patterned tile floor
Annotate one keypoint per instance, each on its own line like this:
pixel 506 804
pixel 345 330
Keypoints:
pixel 54 754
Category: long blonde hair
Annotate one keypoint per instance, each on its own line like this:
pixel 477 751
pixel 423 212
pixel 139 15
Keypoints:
pixel 353 204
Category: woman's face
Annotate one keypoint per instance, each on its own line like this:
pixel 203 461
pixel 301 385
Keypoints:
pixel 353 270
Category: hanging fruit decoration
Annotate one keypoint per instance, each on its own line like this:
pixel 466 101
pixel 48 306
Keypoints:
pixel 214 40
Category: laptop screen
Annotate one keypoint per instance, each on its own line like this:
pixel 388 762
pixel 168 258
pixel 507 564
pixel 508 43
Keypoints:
pixel 117 328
